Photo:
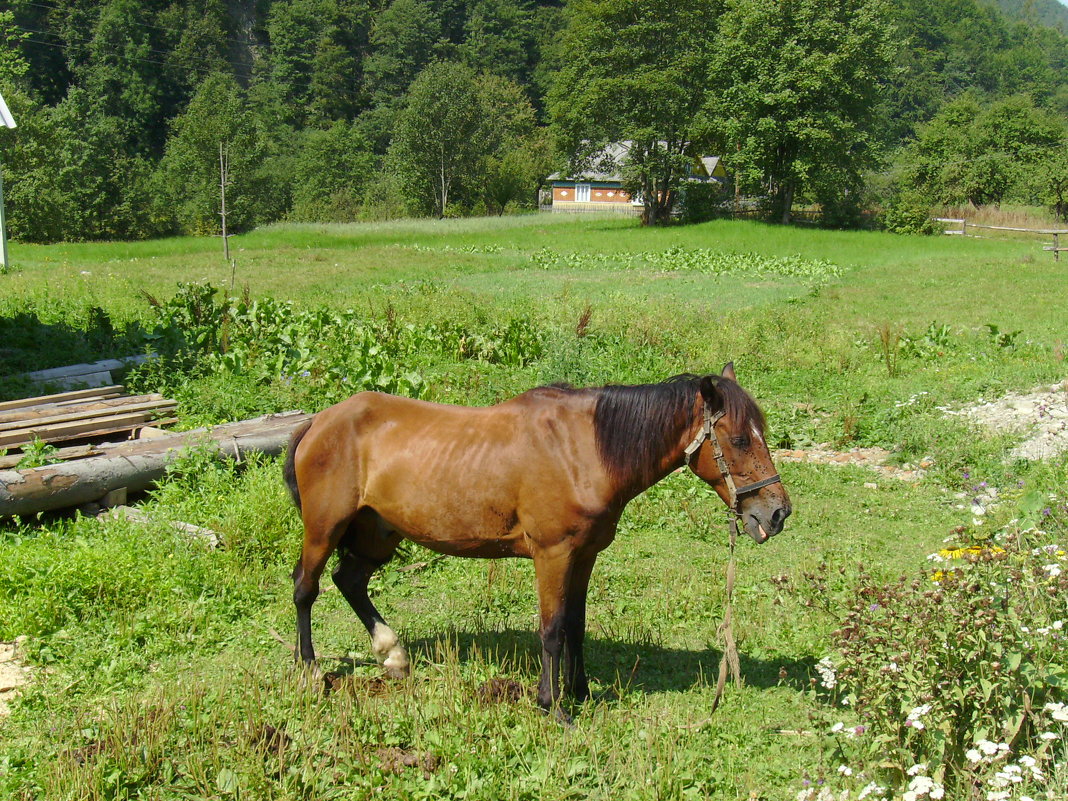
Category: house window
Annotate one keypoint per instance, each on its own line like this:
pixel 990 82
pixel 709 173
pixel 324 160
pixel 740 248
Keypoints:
pixel 582 193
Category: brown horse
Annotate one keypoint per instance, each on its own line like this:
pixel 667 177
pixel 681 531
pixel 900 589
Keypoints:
pixel 544 476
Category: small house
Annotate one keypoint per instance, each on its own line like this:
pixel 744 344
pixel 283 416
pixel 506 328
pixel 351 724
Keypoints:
pixel 599 187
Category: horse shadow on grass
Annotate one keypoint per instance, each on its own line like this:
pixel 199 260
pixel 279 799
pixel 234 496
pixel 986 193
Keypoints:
pixel 616 661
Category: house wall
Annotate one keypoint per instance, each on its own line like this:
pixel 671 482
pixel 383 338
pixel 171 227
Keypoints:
pixel 565 193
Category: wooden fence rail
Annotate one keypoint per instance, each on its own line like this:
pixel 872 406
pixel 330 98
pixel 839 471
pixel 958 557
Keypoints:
pixel 1056 233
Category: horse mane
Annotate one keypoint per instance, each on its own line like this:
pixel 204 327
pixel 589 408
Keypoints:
pixel 635 424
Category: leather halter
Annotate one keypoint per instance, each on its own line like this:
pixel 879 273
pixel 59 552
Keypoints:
pixel 729 661
pixel 708 432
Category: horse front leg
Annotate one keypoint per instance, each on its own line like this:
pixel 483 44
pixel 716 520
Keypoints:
pixel 553 573
pixel 575 628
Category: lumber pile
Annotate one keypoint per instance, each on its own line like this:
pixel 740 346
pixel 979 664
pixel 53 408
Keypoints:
pixel 79 415
pixel 135 465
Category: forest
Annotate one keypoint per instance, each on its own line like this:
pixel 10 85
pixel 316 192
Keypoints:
pixel 341 110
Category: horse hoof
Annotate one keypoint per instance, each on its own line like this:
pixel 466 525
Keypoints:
pixel 401 672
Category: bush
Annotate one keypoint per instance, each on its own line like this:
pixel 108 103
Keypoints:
pixel 908 213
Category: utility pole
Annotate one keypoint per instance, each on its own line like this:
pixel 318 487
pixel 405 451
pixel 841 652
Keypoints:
pixel 8 122
pixel 224 179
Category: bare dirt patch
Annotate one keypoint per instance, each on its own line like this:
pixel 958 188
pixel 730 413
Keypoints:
pixel 396 760
pixel 872 458
pixel 1041 415
pixel 498 691
pixel 13 674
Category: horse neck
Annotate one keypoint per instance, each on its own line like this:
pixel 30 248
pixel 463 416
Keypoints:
pixel 676 438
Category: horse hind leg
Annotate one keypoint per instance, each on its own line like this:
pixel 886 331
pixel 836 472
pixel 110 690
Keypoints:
pixel 320 541
pixel 358 558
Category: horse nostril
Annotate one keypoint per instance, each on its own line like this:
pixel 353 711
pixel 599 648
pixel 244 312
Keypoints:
pixel 779 516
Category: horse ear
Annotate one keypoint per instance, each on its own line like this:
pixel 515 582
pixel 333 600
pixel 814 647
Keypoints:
pixel 710 392
pixel 728 371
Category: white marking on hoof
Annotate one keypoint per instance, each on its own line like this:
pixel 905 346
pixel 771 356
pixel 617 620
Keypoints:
pixel 389 651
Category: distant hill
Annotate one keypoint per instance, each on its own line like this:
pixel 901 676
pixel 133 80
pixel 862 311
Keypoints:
pixel 1051 13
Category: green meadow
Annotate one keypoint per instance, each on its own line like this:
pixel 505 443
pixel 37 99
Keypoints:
pixel 161 670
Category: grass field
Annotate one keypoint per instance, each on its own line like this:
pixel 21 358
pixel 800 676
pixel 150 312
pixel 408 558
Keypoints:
pixel 156 671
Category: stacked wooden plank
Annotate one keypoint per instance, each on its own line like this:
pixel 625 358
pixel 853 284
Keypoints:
pixel 137 464
pixel 86 414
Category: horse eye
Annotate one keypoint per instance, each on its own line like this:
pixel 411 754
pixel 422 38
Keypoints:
pixel 740 442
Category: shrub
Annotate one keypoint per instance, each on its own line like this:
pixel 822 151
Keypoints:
pixel 957 675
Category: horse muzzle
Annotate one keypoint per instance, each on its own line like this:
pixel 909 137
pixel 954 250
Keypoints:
pixel 762 527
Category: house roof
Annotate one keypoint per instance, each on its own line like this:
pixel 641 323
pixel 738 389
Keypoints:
pixel 606 164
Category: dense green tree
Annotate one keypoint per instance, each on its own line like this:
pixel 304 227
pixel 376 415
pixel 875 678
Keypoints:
pixel 440 139
pixel 406 36
pixel 13 63
pixel 332 172
pixel 637 71
pixel 980 155
pixel 797 86
pixel 518 152
pixel 1057 183
pixel 499 37
pixel 121 71
pixel 315 57
pixel 217 116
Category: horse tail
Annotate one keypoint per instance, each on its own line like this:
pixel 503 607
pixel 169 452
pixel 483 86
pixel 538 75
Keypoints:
pixel 289 469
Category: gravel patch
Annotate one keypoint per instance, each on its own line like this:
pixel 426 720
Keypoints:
pixel 1040 415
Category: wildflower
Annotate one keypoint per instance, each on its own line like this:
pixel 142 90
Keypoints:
pixel 1048 735
pixel 837 727
pixel 870 789
pixel 913 718
pixel 920 768
pixel 973 755
pixel 992 749
pixel 1053 569
pixel 845 770
pixel 825 667
pixel 1058 711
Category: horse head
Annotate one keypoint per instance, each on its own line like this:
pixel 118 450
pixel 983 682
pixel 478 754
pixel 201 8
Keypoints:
pixel 729 453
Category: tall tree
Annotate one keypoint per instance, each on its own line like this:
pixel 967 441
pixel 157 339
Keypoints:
pixel 441 132
pixel 499 37
pixel 636 70
pixel 189 172
pixel 797 100
pixel 333 168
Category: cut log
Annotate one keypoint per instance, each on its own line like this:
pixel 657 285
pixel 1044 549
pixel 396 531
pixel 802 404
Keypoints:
pixel 73 452
pixel 137 464
pixel 136 515
pixel 87 374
